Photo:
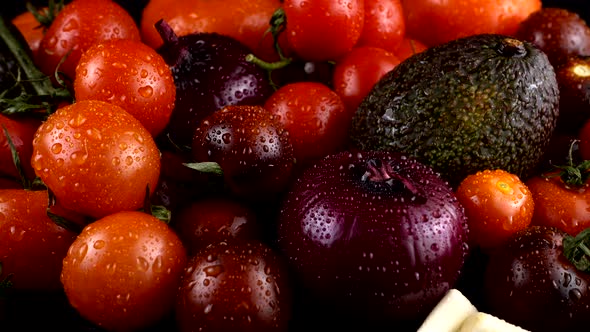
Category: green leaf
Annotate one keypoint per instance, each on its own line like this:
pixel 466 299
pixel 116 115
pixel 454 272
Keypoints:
pixel 209 167
pixel 16 160
pixel 577 250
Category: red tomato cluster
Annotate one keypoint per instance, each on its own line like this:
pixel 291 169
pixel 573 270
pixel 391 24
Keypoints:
pixel 110 171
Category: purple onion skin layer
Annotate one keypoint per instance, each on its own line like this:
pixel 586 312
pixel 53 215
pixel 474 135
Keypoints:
pixel 374 236
pixel 210 71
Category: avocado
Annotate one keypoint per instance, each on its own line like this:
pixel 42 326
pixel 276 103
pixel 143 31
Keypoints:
pixel 481 102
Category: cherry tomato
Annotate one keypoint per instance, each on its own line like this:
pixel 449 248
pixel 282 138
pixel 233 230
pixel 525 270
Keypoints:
pixel 215 219
pixel 123 270
pixel 560 205
pixel 252 148
pixel 246 21
pixel 385 24
pixel 434 22
pixel 497 204
pixel 33 246
pixel 315 117
pixel 78 26
pixel 30 28
pixel 235 286
pixel 408 47
pixel 130 74
pixel 321 30
pixel 21 130
pixel 96 158
pixel 357 72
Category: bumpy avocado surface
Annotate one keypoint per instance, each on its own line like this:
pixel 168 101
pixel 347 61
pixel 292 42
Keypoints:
pixel 485 101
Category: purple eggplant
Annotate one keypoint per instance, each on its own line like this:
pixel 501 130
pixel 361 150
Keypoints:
pixel 374 238
pixel 210 71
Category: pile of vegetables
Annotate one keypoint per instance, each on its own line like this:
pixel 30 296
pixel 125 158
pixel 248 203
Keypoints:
pixel 186 166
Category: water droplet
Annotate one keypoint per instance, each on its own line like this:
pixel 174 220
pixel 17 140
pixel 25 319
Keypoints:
pixel 79 157
pixel 56 148
pixel 158 264
pixel 146 91
pixel 82 251
pixel 99 244
pixel 213 270
pixel 78 120
pixel 70 25
pixel 208 308
pixel 128 160
pixel 142 264
pixel 206 282
pixel 226 138
pixel 144 73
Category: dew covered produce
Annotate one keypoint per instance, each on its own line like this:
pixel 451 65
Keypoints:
pixel 294 166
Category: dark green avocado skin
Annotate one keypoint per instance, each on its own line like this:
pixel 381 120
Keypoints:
pixel 480 102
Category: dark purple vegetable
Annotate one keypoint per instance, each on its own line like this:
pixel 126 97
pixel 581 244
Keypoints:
pixel 210 71
pixel 376 236
pixel 532 280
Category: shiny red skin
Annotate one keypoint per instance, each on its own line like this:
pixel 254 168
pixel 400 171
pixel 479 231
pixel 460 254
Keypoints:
pixel 123 270
pixel 21 130
pixel 357 72
pixel 530 283
pixel 33 246
pixel 323 30
pixel 215 219
pixel 252 148
pixel 315 117
pixel 235 286
pixel 377 252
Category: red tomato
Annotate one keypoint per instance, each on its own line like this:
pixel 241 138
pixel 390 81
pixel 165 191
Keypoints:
pixel 357 72
pixel 321 30
pixel 235 286
pixel 96 158
pixel 246 21
pixel 559 205
pixel 435 22
pixel 408 47
pixel 385 24
pixel 33 246
pixel 21 131
pixel 30 28
pixel 129 74
pixel 497 204
pixel 211 220
pixel 78 26
pixel 123 270
pixel 315 117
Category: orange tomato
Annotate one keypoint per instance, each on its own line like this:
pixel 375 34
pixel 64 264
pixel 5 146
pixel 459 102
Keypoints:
pixel 435 22
pixel 246 21
pixel 497 204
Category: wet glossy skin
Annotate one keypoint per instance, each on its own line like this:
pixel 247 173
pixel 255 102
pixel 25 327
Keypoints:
pixel 371 244
pixel 234 285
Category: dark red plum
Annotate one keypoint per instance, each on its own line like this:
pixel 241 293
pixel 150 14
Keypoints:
pixel 210 71
pixel 375 237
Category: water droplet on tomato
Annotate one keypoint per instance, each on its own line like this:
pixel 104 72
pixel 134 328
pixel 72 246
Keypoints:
pixel 226 138
pixel 143 73
pixel 79 157
pixel 129 160
pixel 56 148
pixel 146 91
pixel 82 251
pixel 99 244
pixel 116 161
pixel 208 308
pixel 142 264
pixel 78 120
pixel 158 264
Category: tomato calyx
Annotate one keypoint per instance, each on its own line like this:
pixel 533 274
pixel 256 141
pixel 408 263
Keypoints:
pixel 277 24
pixel 577 250
pixel 33 90
pixel 45 16
pixel 60 220
pixel 571 175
